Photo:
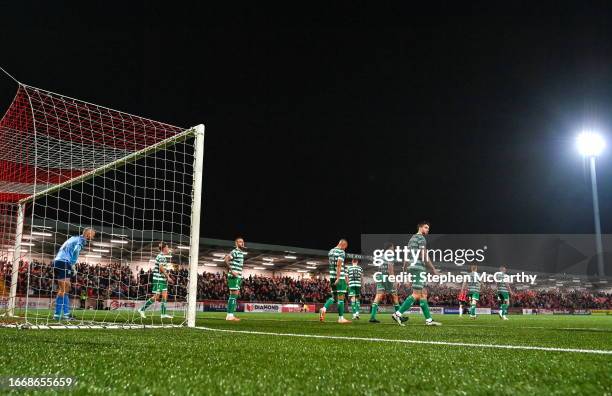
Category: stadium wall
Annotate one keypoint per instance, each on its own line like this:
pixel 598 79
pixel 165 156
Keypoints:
pixel 278 307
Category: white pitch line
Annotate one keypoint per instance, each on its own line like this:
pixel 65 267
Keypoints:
pixel 94 327
pixel 411 322
pixel 586 329
pixel 460 344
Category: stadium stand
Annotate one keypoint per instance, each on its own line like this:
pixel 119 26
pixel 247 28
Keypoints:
pixel 117 281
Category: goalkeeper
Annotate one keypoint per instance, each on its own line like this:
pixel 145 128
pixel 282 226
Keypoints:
pixel 161 278
pixel 63 268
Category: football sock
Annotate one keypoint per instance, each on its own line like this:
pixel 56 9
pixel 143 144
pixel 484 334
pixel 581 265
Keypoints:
pixel 328 303
pixel 374 310
pixel 147 304
pixel 425 308
pixel 231 304
pixel 59 305
pixel 66 304
pixel 406 304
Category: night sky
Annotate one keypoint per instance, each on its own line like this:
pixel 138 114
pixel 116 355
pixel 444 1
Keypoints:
pixel 329 121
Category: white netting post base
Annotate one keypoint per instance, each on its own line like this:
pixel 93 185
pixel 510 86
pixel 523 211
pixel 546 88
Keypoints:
pixel 67 165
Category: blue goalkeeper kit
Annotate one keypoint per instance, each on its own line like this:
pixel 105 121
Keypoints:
pixel 63 266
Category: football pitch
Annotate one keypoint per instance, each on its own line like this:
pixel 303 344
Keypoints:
pixel 295 354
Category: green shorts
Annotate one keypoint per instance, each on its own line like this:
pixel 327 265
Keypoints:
pixel 474 296
pixel 340 288
pixel 417 282
pixel 354 291
pixel 233 283
pixel 159 286
pixel 503 296
pixel 385 286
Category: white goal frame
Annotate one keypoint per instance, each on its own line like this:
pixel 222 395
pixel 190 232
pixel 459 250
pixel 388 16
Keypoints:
pixel 197 133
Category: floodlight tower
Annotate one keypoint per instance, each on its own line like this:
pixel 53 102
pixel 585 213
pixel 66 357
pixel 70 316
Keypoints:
pixel 591 145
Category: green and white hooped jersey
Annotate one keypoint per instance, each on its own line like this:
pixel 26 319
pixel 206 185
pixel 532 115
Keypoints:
pixel 160 261
pixel 474 283
pixel 237 261
pixel 417 243
pixel 502 286
pixel 334 255
pixel 354 274
pixel 384 267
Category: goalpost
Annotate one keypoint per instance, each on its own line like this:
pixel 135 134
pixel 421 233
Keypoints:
pixel 67 165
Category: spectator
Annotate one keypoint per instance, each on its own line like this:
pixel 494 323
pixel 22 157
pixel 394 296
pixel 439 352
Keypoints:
pixel 99 282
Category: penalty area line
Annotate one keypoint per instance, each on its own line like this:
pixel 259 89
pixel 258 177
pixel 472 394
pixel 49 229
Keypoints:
pixel 445 343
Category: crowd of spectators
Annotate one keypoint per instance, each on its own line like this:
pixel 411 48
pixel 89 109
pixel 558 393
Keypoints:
pixel 119 281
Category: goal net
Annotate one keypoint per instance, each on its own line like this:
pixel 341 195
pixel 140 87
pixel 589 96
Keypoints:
pixel 67 165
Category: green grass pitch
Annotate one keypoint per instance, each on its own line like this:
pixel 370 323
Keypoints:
pixel 199 361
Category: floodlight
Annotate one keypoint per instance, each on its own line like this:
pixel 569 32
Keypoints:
pixel 590 144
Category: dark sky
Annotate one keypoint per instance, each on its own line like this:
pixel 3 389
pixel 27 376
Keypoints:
pixel 329 121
